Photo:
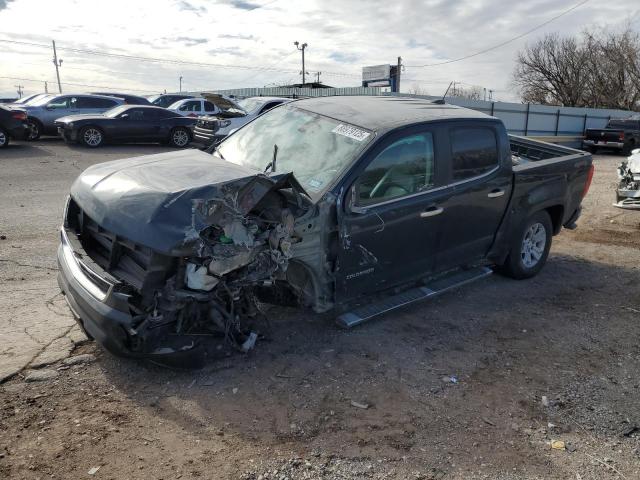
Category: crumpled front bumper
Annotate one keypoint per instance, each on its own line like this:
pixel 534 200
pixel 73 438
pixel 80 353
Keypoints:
pixel 100 312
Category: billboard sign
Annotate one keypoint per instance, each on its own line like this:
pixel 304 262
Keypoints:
pixel 376 73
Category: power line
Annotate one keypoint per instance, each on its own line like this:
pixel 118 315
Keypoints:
pixel 503 43
pixel 163 60
pixel 71 84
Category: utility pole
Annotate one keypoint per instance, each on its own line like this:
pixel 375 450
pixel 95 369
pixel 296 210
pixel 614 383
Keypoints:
pixel 301 48
pixel 20 90
pixel 57 63
pixel 46 87
pixel 180 82
pixel 318 77
pixel 490 95
pixel 485 94
pixel 398 74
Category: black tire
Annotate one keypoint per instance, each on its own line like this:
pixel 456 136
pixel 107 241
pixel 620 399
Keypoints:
pixel 179 137
pixel 91 136
pixel 527 255
pixel 4 138
pixel 36 128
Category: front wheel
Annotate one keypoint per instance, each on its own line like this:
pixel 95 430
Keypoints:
pixel 179 137
pixel 529 247
pixel 4 138
pixel 91 137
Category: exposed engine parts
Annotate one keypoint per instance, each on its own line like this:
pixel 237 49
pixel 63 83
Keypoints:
pixel 628 191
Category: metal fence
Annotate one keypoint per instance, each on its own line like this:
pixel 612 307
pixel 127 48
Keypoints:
pixel 567 123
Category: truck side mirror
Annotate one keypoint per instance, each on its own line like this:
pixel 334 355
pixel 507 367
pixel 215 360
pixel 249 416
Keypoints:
pixel 352 198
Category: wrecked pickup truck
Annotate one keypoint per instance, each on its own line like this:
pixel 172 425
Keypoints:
pixel 628 191
pixel 321 203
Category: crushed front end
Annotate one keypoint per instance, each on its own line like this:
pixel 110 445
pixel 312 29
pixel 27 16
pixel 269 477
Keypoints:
pixel 628 191
pixel 198 299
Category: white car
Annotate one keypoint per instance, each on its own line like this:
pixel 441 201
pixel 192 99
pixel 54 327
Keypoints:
pixel 214 127
pixel 194 107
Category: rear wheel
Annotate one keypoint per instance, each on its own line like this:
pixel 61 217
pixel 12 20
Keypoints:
pixel 4 138
pixel 91 137
pixel 179 137
pixel 35 129
pixel 529 247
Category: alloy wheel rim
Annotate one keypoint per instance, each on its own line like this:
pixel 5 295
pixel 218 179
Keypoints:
pixel 180 138
pixel 3 138
pixel 533 245
pixel 34 131
pixel 92 137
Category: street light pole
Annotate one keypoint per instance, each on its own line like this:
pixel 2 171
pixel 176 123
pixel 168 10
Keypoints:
pixel 180 82
pixel 301 48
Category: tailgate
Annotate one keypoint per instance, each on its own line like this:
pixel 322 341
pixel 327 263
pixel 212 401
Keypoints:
pixel 604 135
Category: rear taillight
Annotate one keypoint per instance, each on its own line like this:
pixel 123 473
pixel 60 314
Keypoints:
pixel 587 184
pixel 19 115
pixel 621 137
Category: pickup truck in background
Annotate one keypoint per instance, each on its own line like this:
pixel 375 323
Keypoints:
pixel 622 135
pixel 356 204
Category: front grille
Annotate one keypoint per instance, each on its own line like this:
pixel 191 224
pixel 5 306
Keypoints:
pixel 132 263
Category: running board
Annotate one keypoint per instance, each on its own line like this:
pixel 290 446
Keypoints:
pixel 432 289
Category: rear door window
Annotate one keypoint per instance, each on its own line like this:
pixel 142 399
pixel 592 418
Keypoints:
pixel 190 106
pixel 209 107
pixel 474 152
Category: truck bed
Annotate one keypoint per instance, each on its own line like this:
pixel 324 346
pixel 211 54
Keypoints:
pixel 551 172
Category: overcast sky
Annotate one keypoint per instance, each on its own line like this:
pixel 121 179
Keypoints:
pixel 241 35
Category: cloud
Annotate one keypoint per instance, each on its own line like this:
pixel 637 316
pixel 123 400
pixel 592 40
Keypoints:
pixel 185 6
pixel 4 4
pixel 343 57
pixel 244 5
pixel 237 37
pixel 186 41
pixel 237 51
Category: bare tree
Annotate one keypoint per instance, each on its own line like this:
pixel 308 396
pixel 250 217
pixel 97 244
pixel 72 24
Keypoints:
pixel 474 92
pixel 416 89
pixel 597 69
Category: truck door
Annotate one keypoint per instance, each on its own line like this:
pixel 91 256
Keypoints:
pixel 389 228
pixel 480 182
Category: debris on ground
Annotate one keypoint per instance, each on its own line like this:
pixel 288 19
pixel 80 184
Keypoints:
pixel 78 359
pixel 363 406
pixel 40 375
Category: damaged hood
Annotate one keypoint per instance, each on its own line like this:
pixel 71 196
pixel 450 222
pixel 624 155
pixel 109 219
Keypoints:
pixel 149 199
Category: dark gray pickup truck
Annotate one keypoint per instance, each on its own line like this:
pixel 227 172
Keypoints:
pixel 357 204
pixel 622 135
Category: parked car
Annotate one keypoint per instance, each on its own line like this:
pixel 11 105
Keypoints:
pixel 622 135
pixel 28 100
pixel 210 129
pixel 194 107
pixel 322 203
pixel 128 99
pixel 167 99
pixel 13 125
pixel 628 190
pixel 127 124
pixel 43 113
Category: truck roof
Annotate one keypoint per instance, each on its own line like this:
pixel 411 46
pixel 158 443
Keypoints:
pixel 378 113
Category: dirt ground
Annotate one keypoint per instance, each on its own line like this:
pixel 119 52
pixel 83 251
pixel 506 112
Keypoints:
pixel 476 384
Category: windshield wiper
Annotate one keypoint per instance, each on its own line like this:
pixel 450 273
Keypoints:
pixel 272 164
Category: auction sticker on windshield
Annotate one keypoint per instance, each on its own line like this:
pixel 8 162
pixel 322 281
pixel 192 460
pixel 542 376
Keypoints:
pixel 351 132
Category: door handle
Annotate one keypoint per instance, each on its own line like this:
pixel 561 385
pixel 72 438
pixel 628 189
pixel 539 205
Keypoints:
pixel 495 193
pixel 431 212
